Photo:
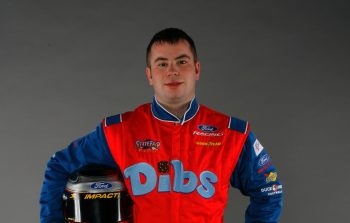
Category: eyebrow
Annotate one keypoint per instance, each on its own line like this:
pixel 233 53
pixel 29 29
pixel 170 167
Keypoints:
pixel 160 59
pixel 179 57
pixel 183 56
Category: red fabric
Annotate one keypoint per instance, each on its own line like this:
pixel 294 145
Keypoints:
pixel 198 153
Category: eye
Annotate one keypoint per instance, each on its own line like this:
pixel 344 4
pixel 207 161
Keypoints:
pixel 162 64
pixel 182 62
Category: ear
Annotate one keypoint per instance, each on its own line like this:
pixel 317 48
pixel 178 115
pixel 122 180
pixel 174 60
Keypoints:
pixel 149 76
pixel 197 70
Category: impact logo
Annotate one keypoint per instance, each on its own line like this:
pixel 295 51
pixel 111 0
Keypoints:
pixel 147 145
pixel 184 181
pixel 100 185
pixel 207 130
pixel 102 196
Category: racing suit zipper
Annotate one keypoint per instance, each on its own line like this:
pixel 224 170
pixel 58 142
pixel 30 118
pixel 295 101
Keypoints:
pixel 175 155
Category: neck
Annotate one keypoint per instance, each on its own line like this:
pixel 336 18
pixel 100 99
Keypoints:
pixel 177 109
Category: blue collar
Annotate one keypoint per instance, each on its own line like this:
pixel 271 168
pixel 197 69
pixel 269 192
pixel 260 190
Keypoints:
pixel 159 112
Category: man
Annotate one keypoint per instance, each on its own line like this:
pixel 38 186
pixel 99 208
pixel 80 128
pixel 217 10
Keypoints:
pixel 177 157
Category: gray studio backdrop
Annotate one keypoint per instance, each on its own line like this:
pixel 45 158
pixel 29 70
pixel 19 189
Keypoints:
pixel 281 65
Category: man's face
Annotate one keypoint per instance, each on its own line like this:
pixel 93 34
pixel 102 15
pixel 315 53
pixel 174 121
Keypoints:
pixel 173 72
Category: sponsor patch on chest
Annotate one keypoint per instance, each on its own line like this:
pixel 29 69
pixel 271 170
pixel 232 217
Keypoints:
pixel 207 131
pixel 146 145
pixel 215 144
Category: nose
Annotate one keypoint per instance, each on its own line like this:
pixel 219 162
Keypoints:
pixel 172 70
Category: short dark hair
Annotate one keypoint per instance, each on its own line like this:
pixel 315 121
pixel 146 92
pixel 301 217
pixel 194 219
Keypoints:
pixel 171 36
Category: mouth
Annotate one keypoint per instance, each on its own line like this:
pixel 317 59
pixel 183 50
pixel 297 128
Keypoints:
pixel 173 84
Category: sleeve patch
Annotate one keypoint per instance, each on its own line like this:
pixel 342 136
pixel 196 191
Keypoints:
pixel 238 125
pixel 115 119
pixel 257 147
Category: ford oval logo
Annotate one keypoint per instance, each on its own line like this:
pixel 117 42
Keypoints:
pixel 101 185
pixel 207 128
pixel 264 160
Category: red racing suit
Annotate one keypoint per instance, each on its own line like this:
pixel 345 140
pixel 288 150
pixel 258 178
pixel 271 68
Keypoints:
pixel 176 170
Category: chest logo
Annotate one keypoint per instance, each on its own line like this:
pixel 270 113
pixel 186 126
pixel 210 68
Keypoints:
pixel 184 181
pixel 208 144
pixel 207 128
pixel 147 144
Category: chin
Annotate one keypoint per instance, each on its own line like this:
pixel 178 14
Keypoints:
pixel 174 98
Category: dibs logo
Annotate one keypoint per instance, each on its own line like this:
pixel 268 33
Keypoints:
pixel 183 182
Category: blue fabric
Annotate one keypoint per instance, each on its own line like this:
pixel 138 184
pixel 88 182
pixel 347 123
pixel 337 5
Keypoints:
pixel 91 149
pixel 238 125
pixel 251 178
pixel 115 119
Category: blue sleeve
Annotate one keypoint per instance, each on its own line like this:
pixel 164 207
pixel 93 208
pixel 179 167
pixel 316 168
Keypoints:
pixel 90 149
pixel 256 177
